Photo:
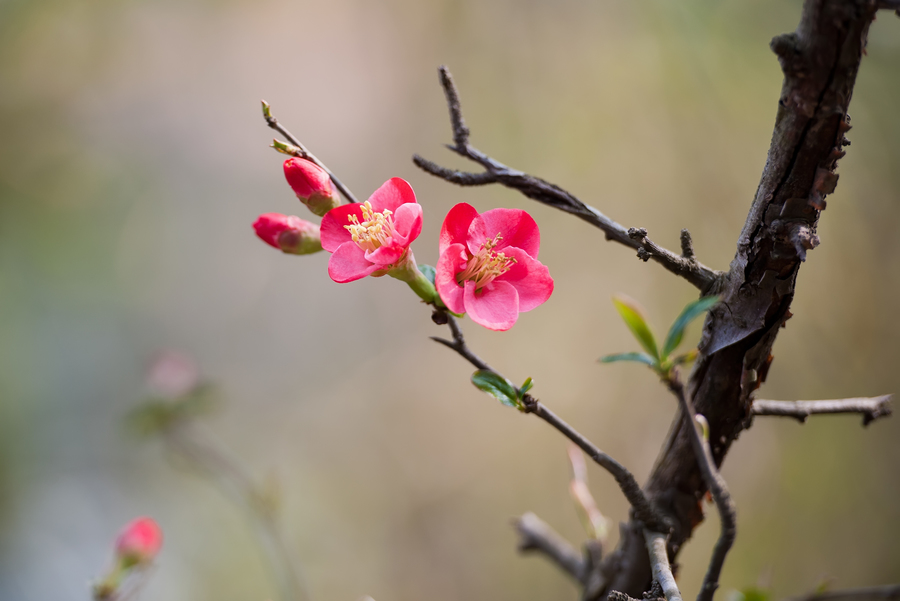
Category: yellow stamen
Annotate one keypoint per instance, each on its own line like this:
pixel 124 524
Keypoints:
pixel 485 265
pixel 376 229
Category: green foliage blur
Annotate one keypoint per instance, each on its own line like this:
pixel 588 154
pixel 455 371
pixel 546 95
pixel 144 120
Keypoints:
pixel 133 160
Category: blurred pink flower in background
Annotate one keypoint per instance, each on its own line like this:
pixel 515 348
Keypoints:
pixel 172 374
pixel 139 542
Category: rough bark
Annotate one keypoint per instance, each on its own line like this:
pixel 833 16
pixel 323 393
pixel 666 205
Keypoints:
pixel 820 62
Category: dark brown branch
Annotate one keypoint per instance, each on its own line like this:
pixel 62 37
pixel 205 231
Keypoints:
pixel 687 245
pixel 460 178
pixel 871 408
pixel 872 593
pixel 551 195
pixel 536 535
pixel 272 122
pixel 617 596
pixel 717 487
pixel 643 510
pixel 820 62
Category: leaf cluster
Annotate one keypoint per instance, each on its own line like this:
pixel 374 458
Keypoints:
pixel 502 389
pixel 658 359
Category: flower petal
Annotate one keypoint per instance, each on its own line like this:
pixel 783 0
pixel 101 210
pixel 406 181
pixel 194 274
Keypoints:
pixel 516 228
pixel 408 222
pixel 348 263
pixel 391 195
pixel 269 225
pixel 333 231
pixel 386 255
pixel 496 307
pixel 529 277
pixel 452 261
pixel 456 226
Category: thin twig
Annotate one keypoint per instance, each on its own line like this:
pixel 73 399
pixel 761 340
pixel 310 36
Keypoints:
pixel 536 535
pixel 236 484
pixel 883 593
pixel 626 481
pixel 619 596
pixel 871 408
pixel 717 487
pixel 549 194
pixel 643 510
pixel 272 122
pixel 659 563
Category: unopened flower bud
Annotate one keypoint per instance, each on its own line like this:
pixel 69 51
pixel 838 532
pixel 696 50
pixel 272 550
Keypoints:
pixel 173 374
pixel 288 233
pixel 312 185
pixel 139 542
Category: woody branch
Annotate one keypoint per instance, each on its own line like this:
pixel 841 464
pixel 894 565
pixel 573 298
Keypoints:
pixel 685 265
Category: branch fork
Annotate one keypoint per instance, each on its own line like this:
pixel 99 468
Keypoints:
pixel 552 195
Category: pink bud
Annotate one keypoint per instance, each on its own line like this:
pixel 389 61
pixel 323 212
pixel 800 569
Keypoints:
pixel 139 542
pixel 311 185
pixel 288 233
pixel 173 374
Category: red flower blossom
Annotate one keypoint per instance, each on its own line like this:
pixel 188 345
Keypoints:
pixel 372 238
pixel 138 542
pixel 312 185
pixel 488 265
pixel 288 233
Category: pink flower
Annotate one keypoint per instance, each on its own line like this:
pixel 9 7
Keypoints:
pixel 372 238
pixel 139 542
pixel 488 265
pixel 288 233
pixel 173 374
pixel 312 185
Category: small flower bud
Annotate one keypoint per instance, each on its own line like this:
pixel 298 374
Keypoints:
pixel 288 233
pixel 173 374
pixel 139 542
pixel 312 185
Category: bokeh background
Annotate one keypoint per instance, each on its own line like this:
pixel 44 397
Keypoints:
pixel 133 159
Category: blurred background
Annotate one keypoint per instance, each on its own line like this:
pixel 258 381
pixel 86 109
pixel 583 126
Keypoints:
pixel 133 160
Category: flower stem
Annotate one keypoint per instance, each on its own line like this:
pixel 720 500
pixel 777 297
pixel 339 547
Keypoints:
pixel 407 271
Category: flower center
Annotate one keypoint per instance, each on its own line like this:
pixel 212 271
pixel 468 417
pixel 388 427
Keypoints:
pixel 376 229
pixel 485 265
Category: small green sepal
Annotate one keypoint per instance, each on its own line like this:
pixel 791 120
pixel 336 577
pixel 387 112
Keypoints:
pixel 429 272
pixel 285 148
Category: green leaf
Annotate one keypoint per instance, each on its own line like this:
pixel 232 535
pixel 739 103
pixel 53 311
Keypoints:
pixel 497 386
pixel 526 386
pixel 634 318
pixel 428 271
pixel 639 357
pixel 756 594
pixel 689 314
